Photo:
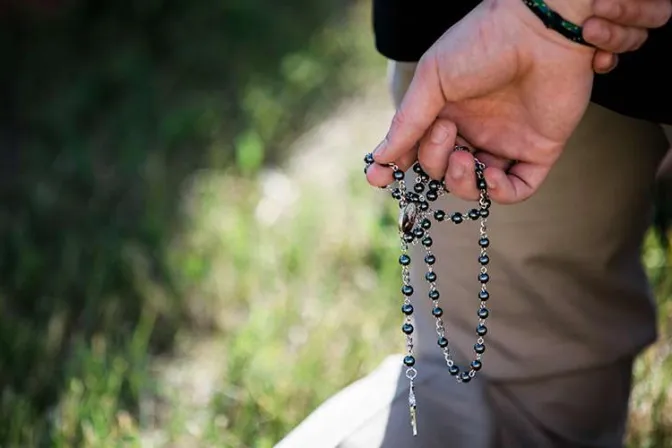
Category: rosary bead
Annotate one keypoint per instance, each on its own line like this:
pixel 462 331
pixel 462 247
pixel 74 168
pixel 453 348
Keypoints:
pixel 483 313
pixel 439 215
pixel 456 218
pixel 480 184
pixel 484 259
pixel 409 361
pixel 434 184
pixel 484 242
pixel 408 237
pixel 481 330
pixel 424 177
pixel 486 203
pixel 483 277
pixel 434 294
pixel 417 168
pixel 430 276
pixel 404 260
pixel 412 197
pixel 476 365
pixel 396 193
pixel 430 259
pixel 437 312
pixel 453 370
pixel 424 206
pixel 418 188
pixel 398 175
pixel 484 295
pixel 407 309
pixel 427 241
pixel 407 290
pixel 432 195
pixel 426 224
pixel 484 212
pixel 479 348
pixel 473 214
pixel 407 328
pixel 368 158
pixel 465 377
pixel 442 342
pixel 418 233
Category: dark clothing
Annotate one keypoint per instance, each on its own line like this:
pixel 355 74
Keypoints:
pixel 640 87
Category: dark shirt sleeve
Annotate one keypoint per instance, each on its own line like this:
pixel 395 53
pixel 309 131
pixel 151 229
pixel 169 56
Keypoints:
pixel 405 29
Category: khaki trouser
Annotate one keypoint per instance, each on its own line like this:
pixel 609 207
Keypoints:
pixel 570 310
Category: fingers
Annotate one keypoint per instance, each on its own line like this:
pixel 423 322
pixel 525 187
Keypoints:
pixel 637 14
pixel 604 62
pixel 521 181
pixel 418 110
pixel 381 175
pixel 436 147
pixel 611 37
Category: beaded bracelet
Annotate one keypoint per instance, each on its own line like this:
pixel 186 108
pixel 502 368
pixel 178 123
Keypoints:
pixel 414 227
pixel 554 21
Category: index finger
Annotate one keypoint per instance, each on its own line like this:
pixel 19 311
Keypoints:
pixel 418 110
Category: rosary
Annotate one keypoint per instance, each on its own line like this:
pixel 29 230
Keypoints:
pixel 414 223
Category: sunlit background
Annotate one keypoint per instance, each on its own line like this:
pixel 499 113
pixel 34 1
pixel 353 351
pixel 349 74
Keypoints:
pixel 190 256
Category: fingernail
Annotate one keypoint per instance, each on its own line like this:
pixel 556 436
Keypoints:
pixel 439 134
pixel 491 185
pixel 456 171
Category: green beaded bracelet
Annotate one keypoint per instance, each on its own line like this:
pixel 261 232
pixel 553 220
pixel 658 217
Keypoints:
pixel 555 22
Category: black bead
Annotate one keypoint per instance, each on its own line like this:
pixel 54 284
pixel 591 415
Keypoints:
pixel 404 260
pixel 465 377
pixel 427 241
pixel 454 370
pixel 434 294
pixel 456 218
pixel 424 177
pixel 483 277
pixel 437 312
pixel 430 259
pixel 408 237
pixel 442 342
pixel 396 193
pixel 484 259
pixel 486 203
pixel 430 276
pixel 426 224
pixel 484 212
pixel 368 158
pixel 480 184
pixel 413 197
pixel 409 361
pixel 476 365
pixel 418 188
pixel 424 206
pixel 432 195
pixel 439 215
pixel 484 295
pixel 473 214
pixel 366 168
pixel 479 348
pixel 418 233
pixel 483 313
pixel 481 330
pixel 407 309
pixel 417 168
pixel 407 328
pixel 407 290
pixel 434 184
pixel 398 175
pixel 484 242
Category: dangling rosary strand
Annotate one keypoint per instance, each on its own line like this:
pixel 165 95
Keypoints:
pixel 415 215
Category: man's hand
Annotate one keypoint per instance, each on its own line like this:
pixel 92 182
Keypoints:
pixel 508 85
pixel 619 26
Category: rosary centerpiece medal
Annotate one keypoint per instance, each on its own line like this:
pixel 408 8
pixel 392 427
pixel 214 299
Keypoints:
pixel 416 217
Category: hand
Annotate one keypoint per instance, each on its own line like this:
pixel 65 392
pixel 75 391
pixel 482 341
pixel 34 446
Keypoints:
pixel 510 86
pixel 619 26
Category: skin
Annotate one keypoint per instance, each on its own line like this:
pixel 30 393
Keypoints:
pixel 513 88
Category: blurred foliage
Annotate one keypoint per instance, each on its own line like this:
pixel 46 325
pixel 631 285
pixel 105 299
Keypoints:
pixel 110 107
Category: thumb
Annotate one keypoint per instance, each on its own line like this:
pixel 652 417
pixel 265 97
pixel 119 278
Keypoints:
pixel 419 108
